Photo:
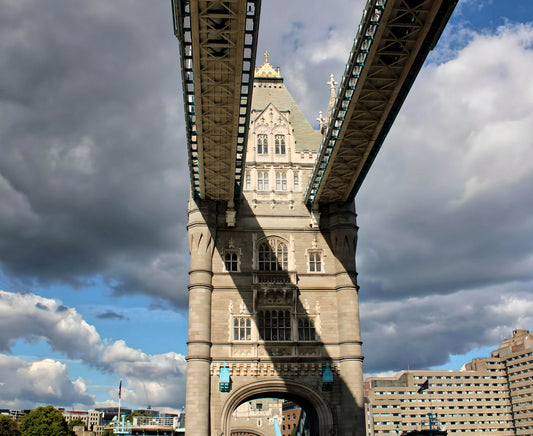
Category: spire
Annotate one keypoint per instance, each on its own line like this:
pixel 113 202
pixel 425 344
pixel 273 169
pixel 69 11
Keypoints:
pixel 267 70
pixel 332 96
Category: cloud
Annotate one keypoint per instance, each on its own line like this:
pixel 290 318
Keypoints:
pixel 446 205
pixel 424 331
pixel 161 378
pixel 93 147
pixel 110 314
pixel 45 382
pixel 34 318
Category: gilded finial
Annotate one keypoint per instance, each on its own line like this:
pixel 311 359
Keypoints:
pixel 267 70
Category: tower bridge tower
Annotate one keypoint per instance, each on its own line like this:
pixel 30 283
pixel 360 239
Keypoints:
pixel 273 296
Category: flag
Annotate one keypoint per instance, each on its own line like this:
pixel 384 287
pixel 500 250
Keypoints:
pixel 120 389
pixel 424 386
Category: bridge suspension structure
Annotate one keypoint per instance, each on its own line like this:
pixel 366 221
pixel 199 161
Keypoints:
pixel 392 43
pixel 218 42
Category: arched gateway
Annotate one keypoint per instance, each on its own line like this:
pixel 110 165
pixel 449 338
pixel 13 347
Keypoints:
pixel 273 302
pixel 317 410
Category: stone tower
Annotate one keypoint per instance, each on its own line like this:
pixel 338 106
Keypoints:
pixel 273 297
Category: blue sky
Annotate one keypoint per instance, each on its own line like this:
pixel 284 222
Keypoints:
pixel 93 188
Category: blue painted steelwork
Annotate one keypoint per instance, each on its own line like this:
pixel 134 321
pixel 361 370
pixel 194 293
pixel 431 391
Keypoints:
pixel 183 30
pixel 181 14
pixel 327 378
pixel 276 427
pixel 350 85
pixel 121 426
pixel 245 102
pixel 361 46
pixel 224 379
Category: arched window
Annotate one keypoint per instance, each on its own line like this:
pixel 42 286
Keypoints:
pixel 306 329
pixel 279 142
pixel 231 261
pixel 273 256
pixel 274 325
pixel 242 329
pixel 262 144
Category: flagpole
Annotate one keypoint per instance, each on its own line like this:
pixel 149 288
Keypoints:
pixel 119 397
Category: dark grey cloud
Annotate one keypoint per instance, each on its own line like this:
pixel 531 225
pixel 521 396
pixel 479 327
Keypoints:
pixel 445 213
pixel 93 169
pixel 93 176
pixel 111 314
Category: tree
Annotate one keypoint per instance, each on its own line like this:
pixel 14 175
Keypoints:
pixel 44 421
pixel 108 432
pixel 8 427
pixel 76 423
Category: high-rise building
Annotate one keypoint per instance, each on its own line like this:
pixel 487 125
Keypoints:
pixel 490 395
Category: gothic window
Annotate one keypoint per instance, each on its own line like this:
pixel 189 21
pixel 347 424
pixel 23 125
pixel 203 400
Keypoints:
pixel 231 261
pixel 281 181
pixel 274 325
pixel 273 256
pixel 262 180
pixel 315 261
pixel 296 181
pixel 242 330
pixel 279 144
pixel 306 329
pixel 262 144
pixel 247 181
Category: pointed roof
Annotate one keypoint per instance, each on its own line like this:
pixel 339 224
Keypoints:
pixel 269 88
pixel 267 70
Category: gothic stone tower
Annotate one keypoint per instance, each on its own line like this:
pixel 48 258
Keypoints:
pixel 273 298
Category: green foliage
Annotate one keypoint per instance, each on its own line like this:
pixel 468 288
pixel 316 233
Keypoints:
pixel 76 423
pixel 108 432
pixel 44 421
pixel 131 415
pixel 293 432
pixel 8 427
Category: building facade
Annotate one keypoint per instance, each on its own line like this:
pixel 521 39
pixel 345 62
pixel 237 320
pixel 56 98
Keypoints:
pixel 273 298
pixel 491 395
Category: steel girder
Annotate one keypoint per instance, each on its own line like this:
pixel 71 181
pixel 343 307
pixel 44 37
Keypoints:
pixel 393 40
pixel 218 41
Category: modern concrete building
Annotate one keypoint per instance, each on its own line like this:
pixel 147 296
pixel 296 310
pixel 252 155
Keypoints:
pixel 91 418
pixel 490 395
pixel 273 298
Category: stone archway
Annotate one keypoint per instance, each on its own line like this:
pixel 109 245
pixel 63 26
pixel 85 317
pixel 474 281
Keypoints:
pixel 244 433
pixel 310 400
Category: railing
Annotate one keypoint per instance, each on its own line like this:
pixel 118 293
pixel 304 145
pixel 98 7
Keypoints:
pixel 274 277
pixel 361 46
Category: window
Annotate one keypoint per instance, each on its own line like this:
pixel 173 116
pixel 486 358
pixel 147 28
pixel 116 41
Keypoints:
pixel 281 181
pixel 315 261
pixel 247 181
pixel 279 144
pixel 262 144
pixel 296 181
pixel 231 261
pixel 306 329
pixel 275 325
pixel 242 329
pixel 273 256
pixel 262 180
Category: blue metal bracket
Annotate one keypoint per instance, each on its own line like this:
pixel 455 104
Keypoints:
pixel 224 378
pixel 327 378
